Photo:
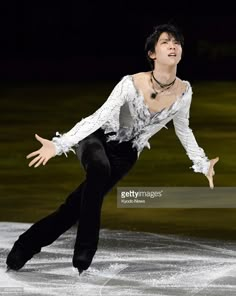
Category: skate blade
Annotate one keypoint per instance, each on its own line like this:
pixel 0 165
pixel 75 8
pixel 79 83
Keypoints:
pixel 80 271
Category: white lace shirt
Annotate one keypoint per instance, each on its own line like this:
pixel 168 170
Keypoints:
pixel 126 115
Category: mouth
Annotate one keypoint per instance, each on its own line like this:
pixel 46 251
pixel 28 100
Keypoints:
pixel 172 55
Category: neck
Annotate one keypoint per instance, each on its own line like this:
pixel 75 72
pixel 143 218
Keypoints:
pixel 165 74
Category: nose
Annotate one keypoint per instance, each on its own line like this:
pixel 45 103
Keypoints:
pixel 172 45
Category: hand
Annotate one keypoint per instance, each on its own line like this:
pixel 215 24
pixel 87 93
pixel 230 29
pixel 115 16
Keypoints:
pixel 211 172
pixel 42 155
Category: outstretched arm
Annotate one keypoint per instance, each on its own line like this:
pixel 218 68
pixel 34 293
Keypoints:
pixel 201 164
pixel 83 128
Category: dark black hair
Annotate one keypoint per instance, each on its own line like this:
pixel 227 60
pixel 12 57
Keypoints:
pixel 152 39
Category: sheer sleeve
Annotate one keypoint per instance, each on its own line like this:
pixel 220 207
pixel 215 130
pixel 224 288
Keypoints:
pixel 195 153
pixel 90 124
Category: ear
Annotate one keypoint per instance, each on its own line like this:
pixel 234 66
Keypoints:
pixel 151 55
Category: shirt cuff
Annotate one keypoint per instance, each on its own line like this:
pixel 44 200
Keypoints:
pixel 61 145
pixel 201 167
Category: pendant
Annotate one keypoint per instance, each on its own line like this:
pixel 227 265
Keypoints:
pixel 153 95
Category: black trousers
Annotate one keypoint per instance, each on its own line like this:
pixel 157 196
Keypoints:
pixel 105 164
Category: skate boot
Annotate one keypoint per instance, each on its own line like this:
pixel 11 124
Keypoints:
pixel 17 257
pixel 82 258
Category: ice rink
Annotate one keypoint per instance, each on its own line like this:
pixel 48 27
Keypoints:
pixel 126 263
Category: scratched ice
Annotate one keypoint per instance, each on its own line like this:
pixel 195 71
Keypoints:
pixel 126 263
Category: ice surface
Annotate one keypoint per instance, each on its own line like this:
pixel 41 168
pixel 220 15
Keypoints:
pixel 126 263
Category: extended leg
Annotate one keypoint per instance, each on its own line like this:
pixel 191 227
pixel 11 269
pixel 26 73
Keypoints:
pixel 45 231
pixel 48 229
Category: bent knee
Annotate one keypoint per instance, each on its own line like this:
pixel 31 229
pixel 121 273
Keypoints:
pixel 95 160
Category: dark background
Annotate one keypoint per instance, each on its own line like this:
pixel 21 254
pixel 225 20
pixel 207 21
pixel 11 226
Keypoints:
pixel 74 54
pixel 86 41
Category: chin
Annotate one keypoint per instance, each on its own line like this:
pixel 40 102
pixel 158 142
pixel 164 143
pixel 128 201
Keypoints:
pixel 173 64
pixel 173 61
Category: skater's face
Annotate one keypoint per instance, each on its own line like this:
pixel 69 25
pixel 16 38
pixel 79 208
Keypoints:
pixel 167 50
